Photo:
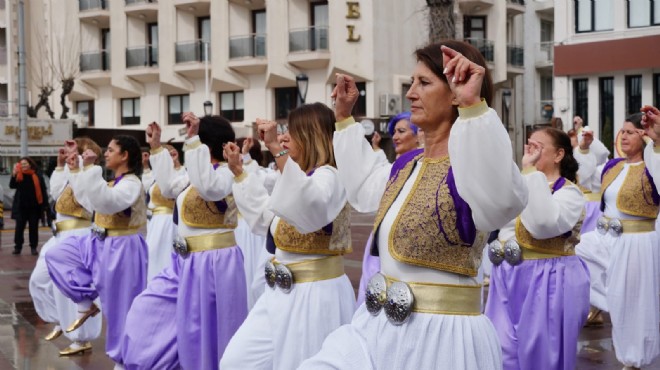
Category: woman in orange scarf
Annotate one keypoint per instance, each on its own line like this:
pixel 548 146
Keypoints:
pixel 29 201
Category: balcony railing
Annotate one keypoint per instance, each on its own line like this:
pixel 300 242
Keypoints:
pixel 95 61
pixel 92 5
pixel 545 52
pixel 308 39
pixel 515 56
pixel 546 110
pixel 485 47
pixel 129 2
pixel 191 51
pixel 247 46
pixel 518 2
pixel 142 56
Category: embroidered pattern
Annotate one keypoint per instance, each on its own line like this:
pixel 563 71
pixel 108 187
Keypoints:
pixel 131 218
pixel 159 200
pixel 635 197
pixel 196 212
pixel 68 205
pixel 336 241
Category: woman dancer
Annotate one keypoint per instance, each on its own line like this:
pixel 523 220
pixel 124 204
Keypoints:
pixel 623 253
pixel 111 263
pixel 192 308
pixel 442 326
pixel 538 298
pixel 307 221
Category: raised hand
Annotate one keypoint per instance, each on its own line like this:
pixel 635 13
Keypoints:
pixel 465 77
pixel 71 146
pixel 532 153
pixel 89 157
pixel 61 157
pixel 268 133
pixel 651 122
pixel 345 95
pixel 247 145
pixel 153 132
pixel 192 124
pixel 72 161
pixel 587 139
pixel 232 154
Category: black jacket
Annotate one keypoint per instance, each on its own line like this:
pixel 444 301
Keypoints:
pixel 25 198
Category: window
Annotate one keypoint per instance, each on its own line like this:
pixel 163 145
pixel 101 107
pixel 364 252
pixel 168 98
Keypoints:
pixel 231 105
pixel 656 90
pixel 547 31
pixel 259 31
pixel 105 49
pixel 594 15
pixel 176 105
pixel 405 103
pixel 130 111
pixel 286 100
pixel 319 20
pixel 152 36
pixel 547 107
pixel 633 94
pixel 606 93
pixel 581 98
pixel 85 110
pixel 204 32
pixel 643 13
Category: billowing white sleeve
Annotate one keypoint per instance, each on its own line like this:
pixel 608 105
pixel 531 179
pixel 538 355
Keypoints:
pixel 212 184
pixel 598 149
pixel 587 172
pixel 652 162
pixel 308 202
pixel 170 181
pixel 58 180
pixel 361 170
pixel 271 177
pixel 147 180
pixel 253 202
pixel 486 176
pixel 549 215
pixel 106 199
pixel 382 158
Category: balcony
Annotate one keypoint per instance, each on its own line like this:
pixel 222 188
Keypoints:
pixel 198 8
pixel 545 7
pixel 190 57
pixel 308 47
pixel 94 11
pixel 545 112
pixel 142 63
pixel 247 54
pixel 485 47
pixel 515 59
pixel 95 67
pixel 545 54
pixel 146 10
pixel 469 6
pixel 515 7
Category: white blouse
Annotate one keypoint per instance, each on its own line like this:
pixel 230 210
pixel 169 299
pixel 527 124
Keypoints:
pixel 59 179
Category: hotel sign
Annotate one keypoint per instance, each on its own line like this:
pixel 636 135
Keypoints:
pixel 40 132
pixel 353 13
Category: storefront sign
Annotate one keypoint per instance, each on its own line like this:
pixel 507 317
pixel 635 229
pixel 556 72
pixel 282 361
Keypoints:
pixel 40 132
pixel 353 13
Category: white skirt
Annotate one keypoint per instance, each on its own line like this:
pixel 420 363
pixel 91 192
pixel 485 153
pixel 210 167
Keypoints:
pixel 53 306
pixel 426 341
pixel 160 235
pixel 255 256
pixel 625 273
pixel 282 330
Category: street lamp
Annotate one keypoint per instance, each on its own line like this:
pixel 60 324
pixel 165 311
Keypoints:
pixel 208 108
pixel 302 82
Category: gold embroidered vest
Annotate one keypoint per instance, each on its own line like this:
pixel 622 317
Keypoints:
pixel 334 240
pixel 425 231
pixel 635 197
pixel 562 245
pixel 158 199
pixel 67 204
pixel 196 212
pixel 131 218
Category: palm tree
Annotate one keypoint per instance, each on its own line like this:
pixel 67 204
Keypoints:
pixel 441 20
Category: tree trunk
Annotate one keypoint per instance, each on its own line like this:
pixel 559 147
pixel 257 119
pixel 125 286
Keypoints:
pixel 44 94
pixel 441 20
pixel 67 87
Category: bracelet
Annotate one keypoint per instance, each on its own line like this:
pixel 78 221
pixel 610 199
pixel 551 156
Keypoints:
pixel 284 152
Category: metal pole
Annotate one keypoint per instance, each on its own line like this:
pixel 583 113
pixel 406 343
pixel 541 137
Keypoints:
pixel 22 86
pixel 206 68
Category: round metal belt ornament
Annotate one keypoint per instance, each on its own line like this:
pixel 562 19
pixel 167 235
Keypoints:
pixel 283 278
pixel 180 246
pixel 269 272
pixel 616 227
pixel 495 253
pixel 602 225
pixel 99 232
pixel 512 252
pixel 399 303
pixel 376 293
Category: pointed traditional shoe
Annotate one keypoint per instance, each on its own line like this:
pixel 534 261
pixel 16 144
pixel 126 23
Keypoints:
pixel 70 351
pixel 93 311
pixel 54 334
pixel 595 318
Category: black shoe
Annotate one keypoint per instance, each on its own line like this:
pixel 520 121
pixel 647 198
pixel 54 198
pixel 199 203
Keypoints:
pixel 34 251
pixel 16 251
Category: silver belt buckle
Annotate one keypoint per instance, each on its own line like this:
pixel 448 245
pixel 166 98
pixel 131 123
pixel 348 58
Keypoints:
pixel 269 273
pixel 495 253
pixel 283 278
pixel 376 293
pixel 99 232
pixel 399 303
pixel 54 228
pixel 180 246
pixel 615 227
pixel 602 225
pixel 512 252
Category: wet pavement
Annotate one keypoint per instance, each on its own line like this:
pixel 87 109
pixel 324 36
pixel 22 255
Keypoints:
pixel 21 331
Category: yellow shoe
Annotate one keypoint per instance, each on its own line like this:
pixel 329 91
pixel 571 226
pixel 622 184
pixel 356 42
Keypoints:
pixel 54 334
pixel 595 318
pixel 93 311
pixel 81 348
